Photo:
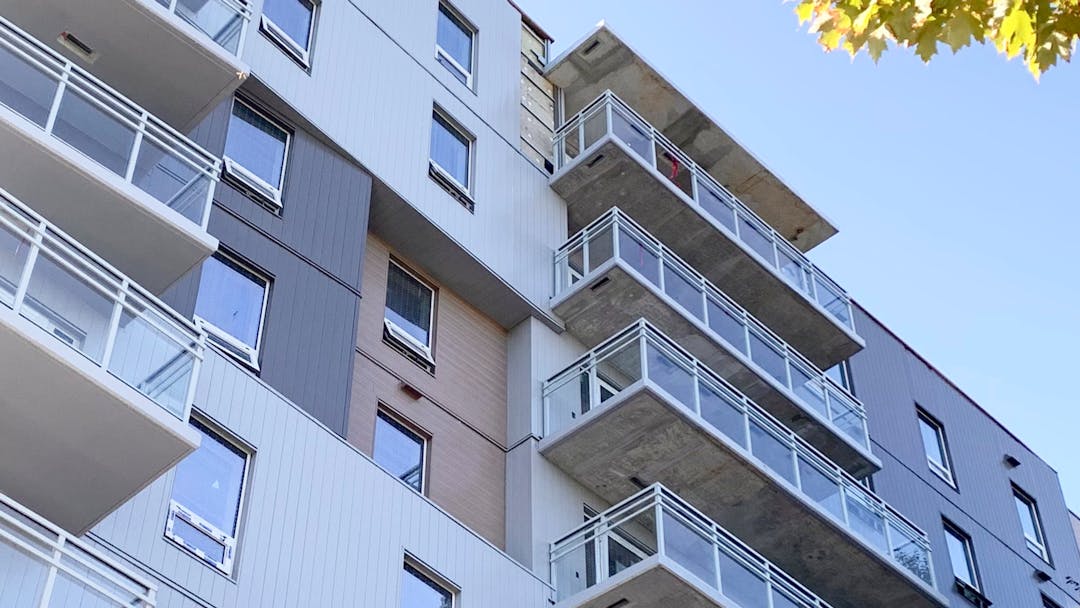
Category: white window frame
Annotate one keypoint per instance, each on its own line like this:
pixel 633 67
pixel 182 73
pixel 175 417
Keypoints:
pixel 425 442
pixel 250 356
pixel 433 576
pixel 471 150
pixel 941 469
pixel 291 47
pixel 969 553
pixel 441 53
pixel 269 193
pixel 1035 545
pixel 405 338
pixel 179 511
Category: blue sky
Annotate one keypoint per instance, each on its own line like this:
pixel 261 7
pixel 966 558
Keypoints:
pixel 954 186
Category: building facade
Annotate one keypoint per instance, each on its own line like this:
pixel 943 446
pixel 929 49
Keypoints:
pixel 357 303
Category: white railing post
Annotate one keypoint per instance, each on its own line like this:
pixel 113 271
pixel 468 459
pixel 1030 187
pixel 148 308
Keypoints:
pixel 136 144
pixel 28 268
pixel 54 109
pixel 54 570
pixel 114 324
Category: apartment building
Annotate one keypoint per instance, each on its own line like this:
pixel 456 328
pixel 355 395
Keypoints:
pixel 358 303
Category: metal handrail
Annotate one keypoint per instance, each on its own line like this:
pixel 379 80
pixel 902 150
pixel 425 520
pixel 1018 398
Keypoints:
pixel 809 280
pixel 48 546
pixel 897 530
pixel 836 401
pixel 665 509
pixel 147 128
pixel 20 223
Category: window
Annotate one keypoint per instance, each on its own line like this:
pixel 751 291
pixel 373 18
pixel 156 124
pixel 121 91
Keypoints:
pixel 421 590
pixel 961 556
pixel 841 374
pixel 1031 523
pixel 207 499
pixel 256 149
pixel 289 23
pixel 936 447
pixel 230 307
pixel 454 44
pixel 410 311
pixel 400 450
pixel 451 157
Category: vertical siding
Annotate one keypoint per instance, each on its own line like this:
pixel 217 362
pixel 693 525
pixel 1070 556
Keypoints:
pixel 890 380
pixel 324 525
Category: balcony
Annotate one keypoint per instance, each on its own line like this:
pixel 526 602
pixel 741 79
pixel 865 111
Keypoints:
pixel 613 272
pixel 117 178
pixel 98 376
pixel 608 154
pixel 638 409
pixel 654 550
pixel 179 58
pixel 601 61
pixel 43 566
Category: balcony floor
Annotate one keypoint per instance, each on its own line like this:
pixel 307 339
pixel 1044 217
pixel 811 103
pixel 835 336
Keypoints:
pixel 597 310
pixel 612 175
pixel 638 434
pixel 76 442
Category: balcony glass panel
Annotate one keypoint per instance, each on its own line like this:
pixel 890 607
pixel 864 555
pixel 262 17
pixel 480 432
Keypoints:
pixel 224 21
pixel 603 373
pixel 77 299
pixel 608 115
pixel 730 324
pixel 74 107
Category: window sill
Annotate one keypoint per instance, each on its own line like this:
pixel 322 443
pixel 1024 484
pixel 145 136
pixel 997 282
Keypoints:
pixel 971 594
pixel 451 186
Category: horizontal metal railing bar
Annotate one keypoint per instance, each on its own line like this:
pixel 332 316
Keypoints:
pixel 742 211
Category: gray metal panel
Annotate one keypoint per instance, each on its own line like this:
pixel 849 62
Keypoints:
pixel 324 526
pixel 890 380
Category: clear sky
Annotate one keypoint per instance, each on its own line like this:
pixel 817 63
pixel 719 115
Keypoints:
pixel 954 186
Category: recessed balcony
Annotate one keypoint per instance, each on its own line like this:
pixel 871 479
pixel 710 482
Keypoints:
pixel 638 409
pixel 607 154
pixel 654 550
pixel 178 58
pixel 613 273
pixel 98 376
pixel 43 566
pixel 116 178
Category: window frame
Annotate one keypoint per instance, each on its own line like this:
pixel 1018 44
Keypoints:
pixel 236 173
pixel 398 334
pixel 179 511
pixel 285 42
pixel 215 332
pixel 944 471
pixel 407 426
pixel 1038 546
pixel 968 546
pixel 423 571
pixel 442 54
pixel 437 113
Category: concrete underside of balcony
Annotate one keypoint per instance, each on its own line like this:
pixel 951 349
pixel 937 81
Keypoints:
pixel 76 442
pixel 150 55
pixel 639 437
pixel 653 583
pixel 136 233
pixel 596 310
pixel 602 61
pixel 614 176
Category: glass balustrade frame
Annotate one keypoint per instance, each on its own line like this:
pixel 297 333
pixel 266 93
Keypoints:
pixel 241 15
pixel 844 500
pixel 740 222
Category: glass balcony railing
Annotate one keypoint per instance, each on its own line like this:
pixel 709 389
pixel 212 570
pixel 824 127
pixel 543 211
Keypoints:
pixel 224 21
pixel 641 355
pixel 610 116
pixel 70 105
pixel 615 236
pixel 77 299
pixel 42 566
pixel 657 522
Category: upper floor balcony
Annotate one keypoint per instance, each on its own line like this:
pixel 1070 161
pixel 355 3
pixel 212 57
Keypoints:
pixel 613 272
pixel 109 172
pixel 98 376
pixel 638 409
pixel 42 566
pixel 178 58
pixel 608 154
pixel 654 550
